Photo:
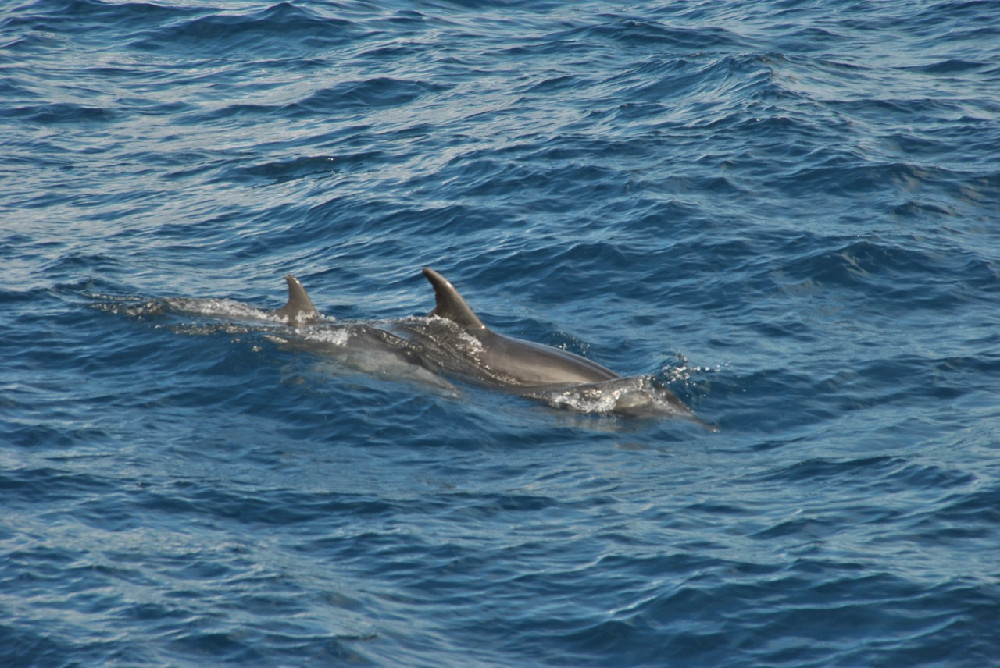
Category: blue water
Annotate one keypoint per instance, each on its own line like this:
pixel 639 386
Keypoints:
pixel 786 211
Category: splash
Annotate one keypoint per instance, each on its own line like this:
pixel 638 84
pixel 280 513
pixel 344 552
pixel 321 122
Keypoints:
pixel 638 396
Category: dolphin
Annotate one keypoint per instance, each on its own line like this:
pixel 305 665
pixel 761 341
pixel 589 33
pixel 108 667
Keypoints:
pixel 512 361
pixel 453 340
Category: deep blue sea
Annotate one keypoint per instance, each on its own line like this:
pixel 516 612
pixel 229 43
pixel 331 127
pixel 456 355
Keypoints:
pixel 787 211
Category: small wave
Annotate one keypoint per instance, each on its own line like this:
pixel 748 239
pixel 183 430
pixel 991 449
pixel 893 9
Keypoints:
pixel 362 94
pixel 949 66
pixel 920 276
pixel 281 171
pixel 627 31
pixel 92 18
pixel 262 31
pixel 62 112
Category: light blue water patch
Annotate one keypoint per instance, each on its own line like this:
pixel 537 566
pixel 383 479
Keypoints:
pixel 784 212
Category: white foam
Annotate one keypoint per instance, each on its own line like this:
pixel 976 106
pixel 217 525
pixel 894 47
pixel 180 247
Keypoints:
pixel 627 396
pixel 338 336
pixel 214 308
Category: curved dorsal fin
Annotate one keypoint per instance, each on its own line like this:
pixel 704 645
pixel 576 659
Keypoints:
pixel 450 304
pixel 299 307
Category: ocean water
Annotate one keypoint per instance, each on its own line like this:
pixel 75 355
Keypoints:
pixel 786 211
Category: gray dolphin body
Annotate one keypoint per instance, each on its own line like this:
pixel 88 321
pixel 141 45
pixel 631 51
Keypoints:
pixel 513 361
pixel 455 341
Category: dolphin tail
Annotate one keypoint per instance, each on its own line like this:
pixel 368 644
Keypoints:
pixel 299 308
pixel 449 304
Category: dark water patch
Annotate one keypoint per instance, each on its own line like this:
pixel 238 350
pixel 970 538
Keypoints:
pixel 362 95
pixel 100 20
pixel 66 112
pixel 281 171
pixel 251 510
pixel 940 17
pixel 974 509
pixel 630 32
pixel 44 648
pixel 28 486
pixel 888 474
pixel 916 110
pixel 950 66
pixel 906 273
pixel 262 31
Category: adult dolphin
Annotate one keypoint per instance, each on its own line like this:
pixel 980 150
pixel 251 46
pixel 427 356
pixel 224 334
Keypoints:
pixel 513 361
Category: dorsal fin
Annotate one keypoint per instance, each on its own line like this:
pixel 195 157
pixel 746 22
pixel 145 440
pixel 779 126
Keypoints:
pixel 450 304
pixel 299 308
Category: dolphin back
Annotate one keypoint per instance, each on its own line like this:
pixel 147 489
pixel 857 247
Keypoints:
pixel 526 363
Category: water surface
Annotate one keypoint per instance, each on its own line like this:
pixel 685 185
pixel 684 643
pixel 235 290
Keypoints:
pixel 785 211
